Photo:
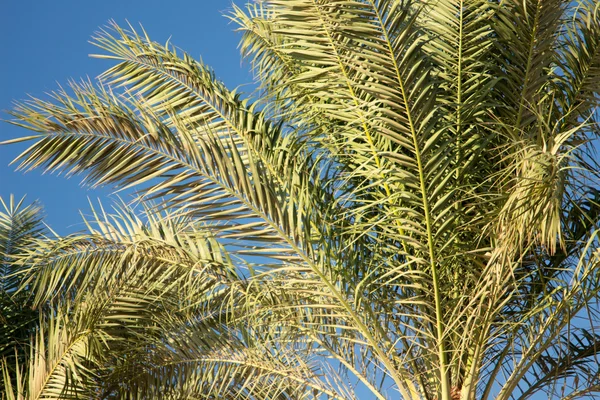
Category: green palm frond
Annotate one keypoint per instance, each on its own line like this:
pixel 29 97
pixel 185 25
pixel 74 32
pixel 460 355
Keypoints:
pixel 19 224
pixel 527 45
pixel 579 62
pixel 62 352
pixel 123 282
pixel 223 182
pixel 199 359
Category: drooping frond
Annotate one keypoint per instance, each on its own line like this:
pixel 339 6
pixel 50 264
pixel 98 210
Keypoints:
pixel 20 225
pixel 199 358
pixel 127 279
pixel 62 352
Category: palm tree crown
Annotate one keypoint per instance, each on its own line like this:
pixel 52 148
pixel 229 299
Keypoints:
pixel 408 204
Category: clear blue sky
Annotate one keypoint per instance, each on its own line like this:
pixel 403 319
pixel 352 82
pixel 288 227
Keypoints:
pixel 45 43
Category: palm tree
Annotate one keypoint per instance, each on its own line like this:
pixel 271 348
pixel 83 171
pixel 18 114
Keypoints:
pixel 20 224
pixel 406 207
pixel 128 311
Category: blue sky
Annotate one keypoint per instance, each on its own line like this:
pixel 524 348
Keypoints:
pixel 46 43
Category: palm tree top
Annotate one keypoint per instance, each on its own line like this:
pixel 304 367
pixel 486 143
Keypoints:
pixel 407 204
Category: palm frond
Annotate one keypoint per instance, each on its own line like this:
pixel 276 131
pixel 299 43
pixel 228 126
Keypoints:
pixel 19 224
